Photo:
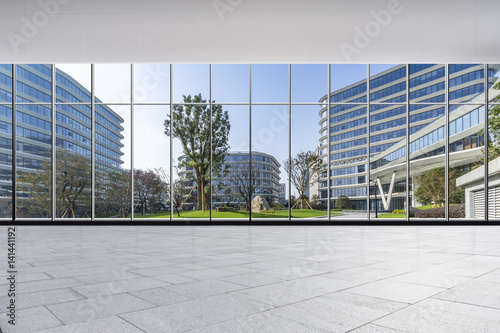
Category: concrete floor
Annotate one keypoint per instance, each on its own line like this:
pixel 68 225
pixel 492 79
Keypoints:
pixel 254 279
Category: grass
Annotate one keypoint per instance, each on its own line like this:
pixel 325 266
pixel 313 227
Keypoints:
pixel 403 216
pixel 194 214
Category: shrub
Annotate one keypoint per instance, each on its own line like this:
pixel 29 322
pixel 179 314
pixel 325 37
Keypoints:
pixel 456 211
pixel 277 206
pixel 269 211
pixel 343 202
pixel 413 211
pixel 398 211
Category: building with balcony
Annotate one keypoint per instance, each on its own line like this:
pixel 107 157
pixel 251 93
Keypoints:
pixel 378 139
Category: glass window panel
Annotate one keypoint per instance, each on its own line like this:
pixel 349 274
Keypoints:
pixel 231 195
pixel 473 191
pixel 387 83
pixel 306 174
pixel 73 83
pixel 466 83
pixel 270 84
pixel 151 162
pixel 33 162
pixel 191 158
pixel 191 80
pixel 112 163
pixel 151 83
pixel 73 162
pixel 5 83
pixel 427 160
pixel 494 83
pixel 231 83
pixel 112 83
pixel 309 83
pixel 5 161
pixel 388 159
pixel 348 83
pixel 34 83
pixel 269 149
pixel 427 83
pixel 466 159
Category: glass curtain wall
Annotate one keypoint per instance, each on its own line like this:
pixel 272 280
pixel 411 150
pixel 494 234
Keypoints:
pixel 201 141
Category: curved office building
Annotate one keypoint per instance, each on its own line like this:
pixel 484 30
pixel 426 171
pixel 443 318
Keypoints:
pixel 384 131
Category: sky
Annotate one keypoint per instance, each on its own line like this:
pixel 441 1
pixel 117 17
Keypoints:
pixel 230 84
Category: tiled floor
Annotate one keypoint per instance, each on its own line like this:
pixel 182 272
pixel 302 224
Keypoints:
pixel 254 279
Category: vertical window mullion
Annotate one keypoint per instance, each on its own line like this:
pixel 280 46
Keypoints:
pixel 408 142
pixel 486 139
pixel 171 178
pixel 132 142
pixel 328 138
pixel 92 140
pixel 53 144
pixel 14 142
pixel 211 133
pixel 250 144
pixel 447 143
pixel 289 138
pixel 368 178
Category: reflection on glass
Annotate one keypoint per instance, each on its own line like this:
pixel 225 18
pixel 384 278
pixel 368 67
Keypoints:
pixel 388 83
pixel 5 161
pixel 473 191
pixel 231 196
pixel 112 83
pixel 34 165
pixel 34 83
pixel 309 83
pixel 5 83
pixel 493 83
pixel 269 153
pixel 231 83
pixel 270 84
pixel 306 165
pixel 466 83
pixel 388 161
pixel 191 156
pixel 427 161
pixel 151 162
pixel 151 83
pixel 190 80
pixel 427 83
pixel 73 83
pixel 73 161
pixel 348 83
pixel 112 161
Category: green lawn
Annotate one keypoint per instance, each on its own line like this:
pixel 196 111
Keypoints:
pixel 193 214
pixel 403 216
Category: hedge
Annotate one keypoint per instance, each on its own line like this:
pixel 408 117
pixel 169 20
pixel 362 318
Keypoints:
pixel 456 211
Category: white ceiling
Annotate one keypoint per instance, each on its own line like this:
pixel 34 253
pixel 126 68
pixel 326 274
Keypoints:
pixel 249 31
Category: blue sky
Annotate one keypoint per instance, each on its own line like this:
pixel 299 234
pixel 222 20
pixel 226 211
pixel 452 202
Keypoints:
pixel 230 84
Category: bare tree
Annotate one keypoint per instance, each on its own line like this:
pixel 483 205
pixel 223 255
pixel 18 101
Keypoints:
pixel 243 181
pixel 303 171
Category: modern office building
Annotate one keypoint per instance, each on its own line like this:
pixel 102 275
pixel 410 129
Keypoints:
pixel 264 177
pixel 282 193
pixel 387 131
pixel 34 114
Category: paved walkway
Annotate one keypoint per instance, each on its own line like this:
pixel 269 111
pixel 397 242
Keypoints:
pixel 254 279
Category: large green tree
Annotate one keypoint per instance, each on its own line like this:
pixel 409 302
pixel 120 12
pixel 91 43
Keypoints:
pixel 493 129
pixel 431 188
pixel 191 126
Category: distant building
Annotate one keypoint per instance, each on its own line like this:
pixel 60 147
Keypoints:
pixel 282 193
pixel 265 177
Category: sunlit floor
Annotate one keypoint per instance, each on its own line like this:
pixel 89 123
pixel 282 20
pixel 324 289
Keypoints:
pixel 253 279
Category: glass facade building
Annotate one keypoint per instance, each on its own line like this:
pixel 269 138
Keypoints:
pixel 402 106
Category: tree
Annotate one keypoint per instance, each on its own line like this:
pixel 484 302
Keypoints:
pixel 431 187
pixel 73 182
pixel 177 195
pixel 117 198
pixel 148 187
pixel 343 202
pixel 191 125
pixel 303 171
pixel 242 181
pixel 493 141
